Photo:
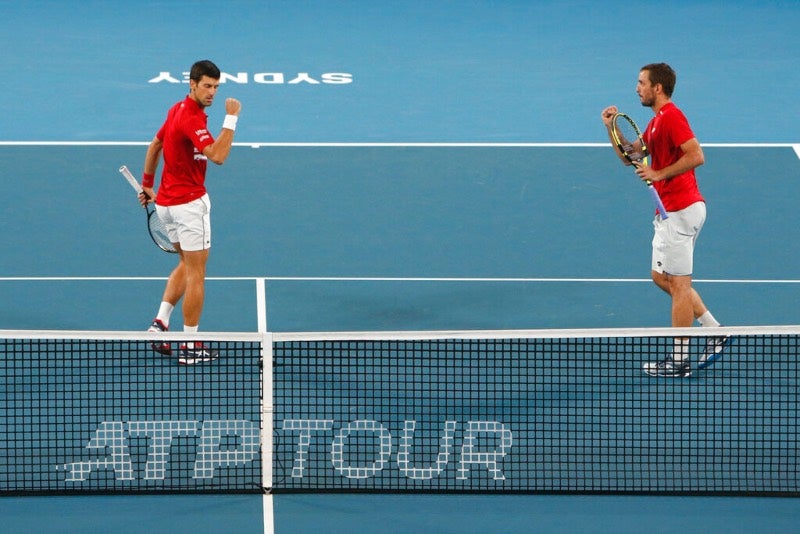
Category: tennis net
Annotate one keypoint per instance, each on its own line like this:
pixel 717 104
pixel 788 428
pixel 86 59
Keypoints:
pixel 559 411
pixel 102 412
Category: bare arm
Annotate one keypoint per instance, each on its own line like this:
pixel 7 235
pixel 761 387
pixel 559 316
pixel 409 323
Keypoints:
pixel 151 159
pixel 218 150
pixel 692 158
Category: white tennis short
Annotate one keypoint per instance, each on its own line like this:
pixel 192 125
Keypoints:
pixel 188 224
pixel 674 240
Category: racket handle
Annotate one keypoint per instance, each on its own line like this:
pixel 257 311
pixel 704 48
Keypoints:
pixel 134 183
pixel 131 180
pixel 657 201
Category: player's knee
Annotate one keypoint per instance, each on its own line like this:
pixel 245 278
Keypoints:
pixel 661 280
pixel 680 286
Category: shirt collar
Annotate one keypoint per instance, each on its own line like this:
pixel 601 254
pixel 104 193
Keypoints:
pixel 192 104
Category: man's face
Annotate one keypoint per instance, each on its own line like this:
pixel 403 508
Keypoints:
pixel 645 89
pixel 203 90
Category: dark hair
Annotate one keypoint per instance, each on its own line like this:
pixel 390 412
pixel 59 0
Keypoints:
pixel 204 68
pixel 663 74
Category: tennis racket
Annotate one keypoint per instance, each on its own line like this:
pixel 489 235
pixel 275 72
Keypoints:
pixel 629 141
pixel 155 227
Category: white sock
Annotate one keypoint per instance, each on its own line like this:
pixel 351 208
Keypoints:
pixel 680 349
pixel 707 320
pixel 190 329
pixel 164 313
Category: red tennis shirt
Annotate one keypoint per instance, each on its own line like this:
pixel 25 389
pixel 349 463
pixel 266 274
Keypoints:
pixel 184 136
pixel 665 134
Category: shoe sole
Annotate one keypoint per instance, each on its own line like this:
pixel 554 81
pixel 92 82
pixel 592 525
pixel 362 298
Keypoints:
pixel 656 375
pixel 716 356
pixel 185 357
pixel 194 361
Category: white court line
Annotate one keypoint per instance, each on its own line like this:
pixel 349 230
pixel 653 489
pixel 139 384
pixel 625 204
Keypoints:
pixel 264 279
pixel 261 304
pixel 269 515
pixel 256 144
pixel 515 280
pixel 74 143
pixel 796 150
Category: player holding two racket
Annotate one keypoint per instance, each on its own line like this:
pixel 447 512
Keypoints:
pixel 675 153
pixel 182 202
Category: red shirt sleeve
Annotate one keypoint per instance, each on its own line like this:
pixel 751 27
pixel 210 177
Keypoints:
pixel 678 129
pixel 196 131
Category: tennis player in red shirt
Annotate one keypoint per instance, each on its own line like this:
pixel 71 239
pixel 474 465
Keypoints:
pixel 675 153
pixel 182 202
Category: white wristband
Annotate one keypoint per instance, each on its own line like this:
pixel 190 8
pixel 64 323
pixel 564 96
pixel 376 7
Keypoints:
pixel 230 122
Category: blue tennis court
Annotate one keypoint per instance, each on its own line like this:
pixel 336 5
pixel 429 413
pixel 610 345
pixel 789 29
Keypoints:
pixel 403 166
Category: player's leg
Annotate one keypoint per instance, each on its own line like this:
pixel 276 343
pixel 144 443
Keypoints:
pixel 176 283
pixel 195 238
pixel 671 271
pixel 194 277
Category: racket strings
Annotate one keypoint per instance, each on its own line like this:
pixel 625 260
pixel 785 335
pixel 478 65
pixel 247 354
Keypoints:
pixel 158 231
pixel 629 139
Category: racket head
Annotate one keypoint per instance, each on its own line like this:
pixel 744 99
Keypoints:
pixel 158 232
pixel 628 139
